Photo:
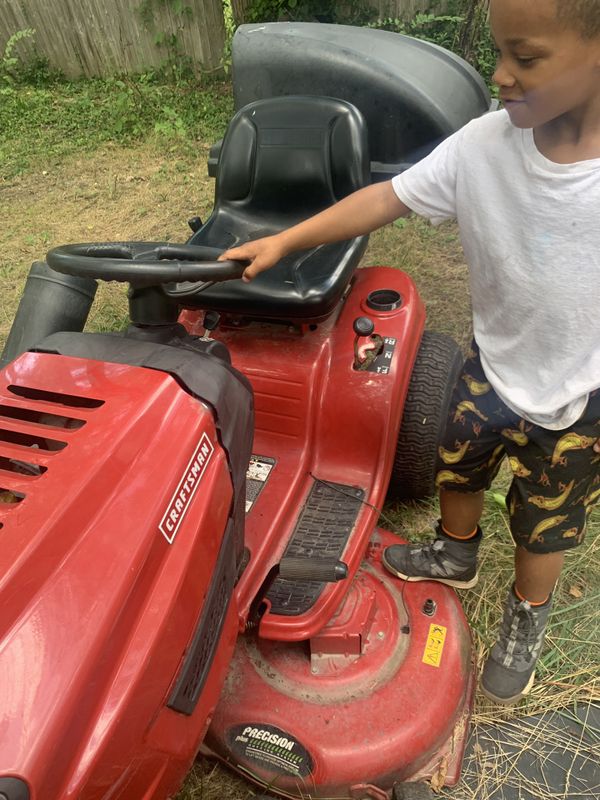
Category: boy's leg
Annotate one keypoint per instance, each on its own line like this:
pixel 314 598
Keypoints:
pixel 536 574
pixel 556 484
pixel 469 457
pixel 461 512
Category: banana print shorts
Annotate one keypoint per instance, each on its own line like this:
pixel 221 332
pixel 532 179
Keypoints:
pixel 556 474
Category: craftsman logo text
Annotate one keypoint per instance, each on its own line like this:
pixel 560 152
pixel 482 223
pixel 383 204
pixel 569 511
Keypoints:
pixel 180 502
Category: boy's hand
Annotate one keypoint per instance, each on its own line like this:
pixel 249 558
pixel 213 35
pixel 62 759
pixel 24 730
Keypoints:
pixel 597 446
pixel 262 253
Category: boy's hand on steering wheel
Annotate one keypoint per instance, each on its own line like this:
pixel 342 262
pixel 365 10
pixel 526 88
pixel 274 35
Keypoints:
pixel 262 254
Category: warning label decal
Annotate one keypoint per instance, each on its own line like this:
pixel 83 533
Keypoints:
pixel 270 748
pixel 434 648
pixel 257 476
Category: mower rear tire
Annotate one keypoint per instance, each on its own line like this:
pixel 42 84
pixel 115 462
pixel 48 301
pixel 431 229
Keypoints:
pixel 435 373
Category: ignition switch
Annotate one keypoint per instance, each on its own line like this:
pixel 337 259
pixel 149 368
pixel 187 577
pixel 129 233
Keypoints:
pixel 365 352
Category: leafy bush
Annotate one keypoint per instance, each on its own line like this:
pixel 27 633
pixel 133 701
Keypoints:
pixel 9 62
pixel 352 12
pixel 463 30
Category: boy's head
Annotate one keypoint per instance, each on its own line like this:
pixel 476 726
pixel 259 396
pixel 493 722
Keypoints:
pixel 549 58
pixel 580 15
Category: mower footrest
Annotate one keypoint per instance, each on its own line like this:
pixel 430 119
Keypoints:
pixel 322 532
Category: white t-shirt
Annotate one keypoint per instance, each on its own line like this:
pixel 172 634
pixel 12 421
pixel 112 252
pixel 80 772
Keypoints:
pixel 530 230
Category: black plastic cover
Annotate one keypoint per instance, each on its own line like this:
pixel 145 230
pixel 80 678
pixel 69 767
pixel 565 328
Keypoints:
pixel 50 302
pixel 411 93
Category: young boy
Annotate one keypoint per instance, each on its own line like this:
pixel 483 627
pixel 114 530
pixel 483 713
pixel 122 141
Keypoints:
pixel 524 185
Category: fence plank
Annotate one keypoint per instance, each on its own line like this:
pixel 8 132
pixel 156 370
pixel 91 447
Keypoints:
pixel 104 37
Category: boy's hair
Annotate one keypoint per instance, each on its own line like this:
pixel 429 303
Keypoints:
pixel 583 15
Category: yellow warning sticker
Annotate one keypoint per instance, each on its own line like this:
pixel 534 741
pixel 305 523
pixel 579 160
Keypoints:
pixel 432 654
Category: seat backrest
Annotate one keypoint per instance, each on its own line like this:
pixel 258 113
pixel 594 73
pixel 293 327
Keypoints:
pixel 283 160
pixel 292 156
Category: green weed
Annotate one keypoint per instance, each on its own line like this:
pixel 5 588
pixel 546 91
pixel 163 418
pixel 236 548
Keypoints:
pixel 43 124
pixel 9 62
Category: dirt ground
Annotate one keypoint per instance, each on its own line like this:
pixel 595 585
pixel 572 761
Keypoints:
pixel 114 194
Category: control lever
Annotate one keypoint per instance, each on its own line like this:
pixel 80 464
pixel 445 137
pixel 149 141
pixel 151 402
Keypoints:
pixel 367 352
pixel 321 570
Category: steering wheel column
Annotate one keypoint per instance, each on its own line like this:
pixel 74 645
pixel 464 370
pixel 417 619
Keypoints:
pixel 160 276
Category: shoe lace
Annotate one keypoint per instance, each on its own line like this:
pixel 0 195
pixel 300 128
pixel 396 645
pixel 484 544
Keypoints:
pixel 426 552
pixel 518 634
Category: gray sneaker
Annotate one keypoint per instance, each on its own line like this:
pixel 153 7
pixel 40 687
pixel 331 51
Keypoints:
pixel 509 671
pixel 445 560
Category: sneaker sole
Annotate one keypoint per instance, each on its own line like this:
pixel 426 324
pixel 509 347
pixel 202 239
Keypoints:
pixel 508 701
pixel 415 578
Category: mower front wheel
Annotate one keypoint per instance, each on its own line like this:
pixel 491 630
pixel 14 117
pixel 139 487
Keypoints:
pixel 435 373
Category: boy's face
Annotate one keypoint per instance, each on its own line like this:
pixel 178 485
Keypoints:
pixel 545 70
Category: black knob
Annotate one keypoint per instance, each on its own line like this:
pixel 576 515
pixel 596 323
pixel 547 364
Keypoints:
pixel 211 320
pixel 195 223
pixel 363 326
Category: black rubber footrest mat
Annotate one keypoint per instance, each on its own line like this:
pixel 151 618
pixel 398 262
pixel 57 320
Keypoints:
pixel 323 528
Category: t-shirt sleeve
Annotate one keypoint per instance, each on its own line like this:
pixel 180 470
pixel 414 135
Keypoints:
pixel 429 187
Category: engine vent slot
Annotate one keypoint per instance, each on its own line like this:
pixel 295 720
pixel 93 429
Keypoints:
pixel 41 418
pixel 7 497
pixel 28 440
pixel 21 467
pixel 74 401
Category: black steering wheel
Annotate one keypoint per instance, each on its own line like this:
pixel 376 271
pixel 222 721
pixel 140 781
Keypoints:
pixel 143 264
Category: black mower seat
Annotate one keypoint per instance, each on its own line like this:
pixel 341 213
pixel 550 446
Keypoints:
pixel 284 159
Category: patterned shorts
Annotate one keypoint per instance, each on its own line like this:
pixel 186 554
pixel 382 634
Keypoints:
pixel 556 474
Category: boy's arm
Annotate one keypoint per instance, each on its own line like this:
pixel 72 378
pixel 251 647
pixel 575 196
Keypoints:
pixel 355 215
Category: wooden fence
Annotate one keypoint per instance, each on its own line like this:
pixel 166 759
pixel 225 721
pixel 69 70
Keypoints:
pixel 106 37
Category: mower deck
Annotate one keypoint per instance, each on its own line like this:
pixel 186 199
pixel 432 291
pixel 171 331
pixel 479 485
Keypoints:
pixel 381 695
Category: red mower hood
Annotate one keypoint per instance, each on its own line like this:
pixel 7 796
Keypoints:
pixel 97 605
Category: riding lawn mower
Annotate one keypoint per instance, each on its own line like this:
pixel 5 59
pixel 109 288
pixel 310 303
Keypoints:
pixel 191 556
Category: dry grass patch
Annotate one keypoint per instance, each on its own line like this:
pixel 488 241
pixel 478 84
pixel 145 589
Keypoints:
pixel 117 193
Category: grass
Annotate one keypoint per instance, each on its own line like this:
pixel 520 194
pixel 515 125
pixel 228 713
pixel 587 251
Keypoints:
pixel 72 169
pixel 41 125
